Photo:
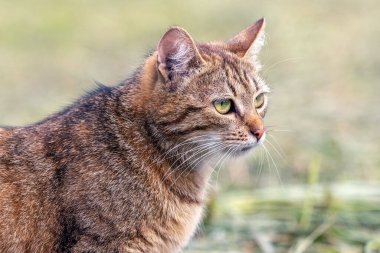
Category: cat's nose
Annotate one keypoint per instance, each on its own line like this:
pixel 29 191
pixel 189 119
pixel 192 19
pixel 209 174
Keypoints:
pixel 256 126
pixel 258 133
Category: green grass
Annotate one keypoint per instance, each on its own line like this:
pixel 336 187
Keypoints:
pixel 265 221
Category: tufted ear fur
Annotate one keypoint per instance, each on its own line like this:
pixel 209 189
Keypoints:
pixel 177 54
pixel 249 42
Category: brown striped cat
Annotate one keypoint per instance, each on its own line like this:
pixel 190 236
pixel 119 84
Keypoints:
pixel 125 169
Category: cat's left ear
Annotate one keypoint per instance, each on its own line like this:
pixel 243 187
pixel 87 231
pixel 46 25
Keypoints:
pixel 248 42
pixel 177 54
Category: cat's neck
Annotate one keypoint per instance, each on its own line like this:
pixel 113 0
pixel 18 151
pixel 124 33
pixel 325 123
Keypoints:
pixel 184 178
pixel 171 169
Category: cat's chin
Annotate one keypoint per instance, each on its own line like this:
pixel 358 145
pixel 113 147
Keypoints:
pixel 245 149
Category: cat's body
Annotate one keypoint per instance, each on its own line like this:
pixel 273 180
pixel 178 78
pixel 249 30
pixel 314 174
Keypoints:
pixel 111 173
pixel 65 178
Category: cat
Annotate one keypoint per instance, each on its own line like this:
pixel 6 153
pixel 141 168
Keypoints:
pixel 126 168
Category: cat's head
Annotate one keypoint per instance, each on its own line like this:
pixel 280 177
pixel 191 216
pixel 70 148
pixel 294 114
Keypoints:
pixel 209 95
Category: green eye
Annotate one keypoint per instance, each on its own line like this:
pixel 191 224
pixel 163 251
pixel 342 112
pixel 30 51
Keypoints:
pixel 259 100
pixel 223 106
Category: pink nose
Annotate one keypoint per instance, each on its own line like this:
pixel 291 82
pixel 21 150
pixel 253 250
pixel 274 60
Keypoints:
pixel 259 133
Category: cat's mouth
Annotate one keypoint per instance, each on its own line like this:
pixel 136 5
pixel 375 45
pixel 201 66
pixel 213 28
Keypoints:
pixel 251 145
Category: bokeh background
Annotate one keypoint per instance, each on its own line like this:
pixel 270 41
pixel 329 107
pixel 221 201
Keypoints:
pixel 315 187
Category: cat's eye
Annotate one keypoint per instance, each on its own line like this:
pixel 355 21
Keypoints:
pixel 259 100
pixel 223 106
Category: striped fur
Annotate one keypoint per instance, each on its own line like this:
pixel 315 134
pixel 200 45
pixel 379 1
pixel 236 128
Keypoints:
pixel 125 169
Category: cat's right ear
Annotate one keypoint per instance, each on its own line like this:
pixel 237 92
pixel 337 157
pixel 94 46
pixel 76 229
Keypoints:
pixel 249 42
pixel 176 54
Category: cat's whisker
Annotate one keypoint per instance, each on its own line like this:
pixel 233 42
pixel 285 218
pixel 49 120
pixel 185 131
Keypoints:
pixel 275 166
pixel 198 150
pixel 211 152
pixel 277 152
pixel 267 158
pixel 173 150
pixel 229 153
pixel 215 166
pixel 222 159
pixel 180 156
pixel 275 128
pixel 206 141
pixel 218 148
pixel 257 160
pixel 222 147
pixel 279 130
pixel 261 165
pixel 215 150
pixel 272 66
pixel 280 149
pixel 189 141
pixel 202 158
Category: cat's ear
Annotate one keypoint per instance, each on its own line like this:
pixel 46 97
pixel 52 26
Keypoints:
pixel 176 54
pixel 248 42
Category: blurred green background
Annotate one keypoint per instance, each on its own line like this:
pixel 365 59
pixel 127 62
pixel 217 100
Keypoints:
pixel 318 188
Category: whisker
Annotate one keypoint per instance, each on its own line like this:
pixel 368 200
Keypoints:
pixel 229 154
pixel 218 148
pixel 277 152
pixel 220 163
pixel 204 141
pixel 261 166
pixel 198 149
pixel 179 155
pixel 279 130
pixel 211 152
pixel 278 146
pixel 189 141
pixel 275 165
pixel 221 147
pixel 267 69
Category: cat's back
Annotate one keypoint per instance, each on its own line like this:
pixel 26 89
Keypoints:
pixel 14 143
pixel 18 148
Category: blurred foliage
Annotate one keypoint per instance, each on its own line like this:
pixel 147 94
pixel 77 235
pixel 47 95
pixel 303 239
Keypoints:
pixel 265 221
pixel 322 60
